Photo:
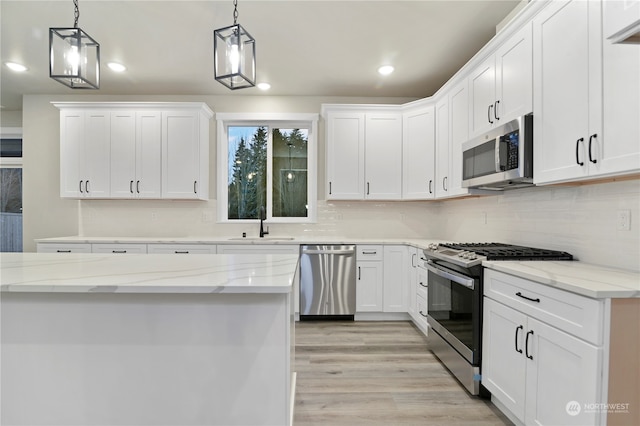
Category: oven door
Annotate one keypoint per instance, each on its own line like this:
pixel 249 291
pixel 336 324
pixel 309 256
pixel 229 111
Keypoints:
pixel 454 309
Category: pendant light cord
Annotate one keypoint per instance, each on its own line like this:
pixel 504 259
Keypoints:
pixel 76 14
pixel 235 11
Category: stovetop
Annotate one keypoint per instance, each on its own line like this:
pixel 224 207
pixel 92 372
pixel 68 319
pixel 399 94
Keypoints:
pixel 471 254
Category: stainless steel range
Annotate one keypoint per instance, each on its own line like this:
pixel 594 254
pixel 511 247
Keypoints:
pixel 454 306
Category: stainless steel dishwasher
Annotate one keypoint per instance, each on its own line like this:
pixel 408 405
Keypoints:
pixel 327 282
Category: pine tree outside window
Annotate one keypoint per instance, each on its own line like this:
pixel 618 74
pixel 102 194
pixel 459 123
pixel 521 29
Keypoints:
pixel 270 163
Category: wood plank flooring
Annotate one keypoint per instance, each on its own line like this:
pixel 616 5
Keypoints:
pixel 378 373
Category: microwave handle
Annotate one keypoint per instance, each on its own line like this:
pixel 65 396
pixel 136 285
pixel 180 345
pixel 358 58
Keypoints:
pixel 462 280
pixel 502 154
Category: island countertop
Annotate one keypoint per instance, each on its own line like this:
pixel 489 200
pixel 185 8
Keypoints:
pixel 146 273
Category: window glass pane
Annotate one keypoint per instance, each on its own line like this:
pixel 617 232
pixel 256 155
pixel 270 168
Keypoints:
pixel 247 167
pixel 290 172
pixel 10 147
pixel 10 209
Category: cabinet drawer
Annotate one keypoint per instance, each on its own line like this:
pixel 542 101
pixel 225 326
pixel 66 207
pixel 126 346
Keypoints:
pixel 119 248
pixel 181 248
pixel 369 252
pixel 575 314
pixel 421 311
pixel 63 248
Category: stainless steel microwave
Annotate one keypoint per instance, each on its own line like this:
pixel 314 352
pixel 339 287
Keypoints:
pixel 501 158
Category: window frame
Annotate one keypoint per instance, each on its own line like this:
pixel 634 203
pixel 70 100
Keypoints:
pixel 11 133
pixel 269 120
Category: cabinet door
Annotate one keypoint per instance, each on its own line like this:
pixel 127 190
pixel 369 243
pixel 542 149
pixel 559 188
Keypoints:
pixel 180 155
pixel 345 156
pixel 396 279
pixel 442 147
pixel 418 150
pixel 383 156
pixel 459 125
pixel 412 280
pixel 119 248
pixel 514 77
pixel 369 287
pixel 567 88
pixel 123 154
pixel 71 153
pixel 148 154
pixel 97 153
pixel 561 371
pixel 619 149
pixel 503 358
pixel 482 82
pixel 422 296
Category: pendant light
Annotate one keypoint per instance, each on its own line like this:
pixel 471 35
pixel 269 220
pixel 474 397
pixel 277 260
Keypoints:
pixel 234 55
pixel 74 57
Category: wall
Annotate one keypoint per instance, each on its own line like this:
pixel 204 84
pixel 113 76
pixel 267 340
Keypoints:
pixel 10 118
pixel 577 219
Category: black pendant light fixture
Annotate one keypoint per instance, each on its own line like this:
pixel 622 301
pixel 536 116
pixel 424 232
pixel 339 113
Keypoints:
pixel 74 57
pixel 234 55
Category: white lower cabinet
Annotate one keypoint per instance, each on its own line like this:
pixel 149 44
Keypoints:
pixel 540 373
pixel 396 278
pixel 63 248
pixel 422 299
pixel 181 249
pixel 369 285
pixel 118 248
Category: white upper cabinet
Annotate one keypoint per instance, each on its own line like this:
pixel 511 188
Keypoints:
pixel 84 153
pixel 364 155
pixel 622 20
pixel 567 90
pixel 418 150
pixel 345 155
pixel 134 150
pixel 501 87
pixel 459 134
pixel 442 147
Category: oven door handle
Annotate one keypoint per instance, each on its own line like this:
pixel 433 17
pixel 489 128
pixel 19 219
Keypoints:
pixel 459 279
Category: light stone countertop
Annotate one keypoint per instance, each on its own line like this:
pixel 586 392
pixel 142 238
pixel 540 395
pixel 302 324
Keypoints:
pixel 146 273
pixel 593 281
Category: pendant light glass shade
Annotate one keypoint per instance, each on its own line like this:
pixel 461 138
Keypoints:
pixel 74 58
pixel 234 57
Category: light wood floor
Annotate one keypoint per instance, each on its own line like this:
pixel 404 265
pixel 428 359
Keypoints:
pixel 378 373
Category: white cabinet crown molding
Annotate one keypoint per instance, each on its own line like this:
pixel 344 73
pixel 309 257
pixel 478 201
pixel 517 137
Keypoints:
pixel 137 105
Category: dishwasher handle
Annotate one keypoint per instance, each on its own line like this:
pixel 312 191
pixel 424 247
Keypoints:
pixel 345 252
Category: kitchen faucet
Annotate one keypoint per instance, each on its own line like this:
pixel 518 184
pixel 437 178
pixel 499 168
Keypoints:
pixel 263 216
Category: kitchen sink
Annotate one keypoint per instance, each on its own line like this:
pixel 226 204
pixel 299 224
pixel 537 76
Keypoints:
pixel 261 239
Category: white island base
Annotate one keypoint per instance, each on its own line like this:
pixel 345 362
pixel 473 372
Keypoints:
pixel 145 358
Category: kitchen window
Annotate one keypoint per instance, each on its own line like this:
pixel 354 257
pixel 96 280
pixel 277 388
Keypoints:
pixel 267 160
pixel 10 189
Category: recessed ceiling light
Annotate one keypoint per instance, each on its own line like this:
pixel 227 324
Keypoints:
pixel 15 66
pixel 264 86
pixel 116 67
pixel 385 69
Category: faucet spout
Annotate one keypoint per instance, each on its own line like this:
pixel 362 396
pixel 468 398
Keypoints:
pixel 263 216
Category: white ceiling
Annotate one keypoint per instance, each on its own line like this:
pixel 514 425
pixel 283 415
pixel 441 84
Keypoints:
pixel 304 47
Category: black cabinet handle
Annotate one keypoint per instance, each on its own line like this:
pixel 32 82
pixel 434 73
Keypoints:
pixel 444 183
pixel 63 251
pixel 131 186
pixel 118 251
pixel 329 188
pixel 518 329
pixel 138 186
pixel 80 187
pixel 423 314
pixel 526 344
pixel 489 114
pixel 413 260
pixel 195 189
pixel 425 286
pixel 495 110
pixel 527 298
pixel 430 183
pixel 369 252
pixel 359 273
pixel 86 187
pixel 580 163
pixel 367 188
pixel 595 135
pixel 181 251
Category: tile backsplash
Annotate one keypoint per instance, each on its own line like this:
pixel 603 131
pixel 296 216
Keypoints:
pixel 579 219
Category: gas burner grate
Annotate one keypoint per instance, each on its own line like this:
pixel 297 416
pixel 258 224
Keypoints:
pixel 500 251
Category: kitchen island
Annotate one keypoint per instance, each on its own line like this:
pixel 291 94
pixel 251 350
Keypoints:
pixel 92 339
